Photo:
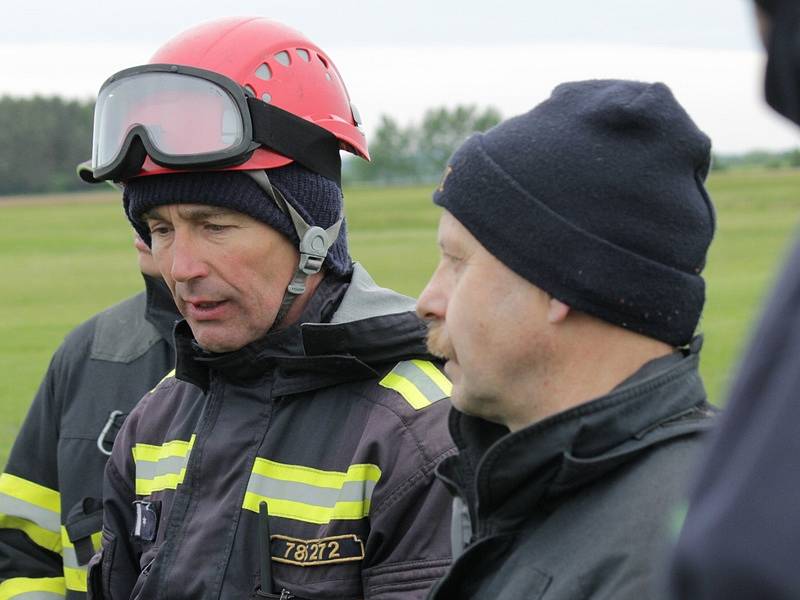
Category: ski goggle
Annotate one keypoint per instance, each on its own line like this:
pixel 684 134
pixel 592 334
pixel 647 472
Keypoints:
pixel 186 118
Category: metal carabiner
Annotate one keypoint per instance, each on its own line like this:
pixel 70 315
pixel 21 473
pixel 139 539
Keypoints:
pixel 106 428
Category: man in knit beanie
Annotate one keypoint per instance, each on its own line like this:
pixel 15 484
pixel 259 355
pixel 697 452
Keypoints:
pixel 565 304
pixel 291 452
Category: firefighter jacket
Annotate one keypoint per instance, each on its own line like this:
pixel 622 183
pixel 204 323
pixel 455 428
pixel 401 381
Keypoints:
pixel 299 466
pixel 578 505
pixel 50 490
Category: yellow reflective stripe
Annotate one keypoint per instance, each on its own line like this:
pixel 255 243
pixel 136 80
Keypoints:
pixel 97 539
pixel 75 576
pixel 75 579
pixel 169 481
pixel 315 477
pixel 311 495
pixel 38 535
pixel 30 492
pixel 174 448
pixel 435 374
pixel 151 459
pixel 406 389
pixel 11 588
pixel 309 513
pixel 163 379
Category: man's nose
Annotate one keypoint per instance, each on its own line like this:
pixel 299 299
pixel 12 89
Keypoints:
pixel 187 257
pixel 432 302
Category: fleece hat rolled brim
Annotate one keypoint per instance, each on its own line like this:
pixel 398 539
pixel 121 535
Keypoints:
pixel 318 200
pixel 595 196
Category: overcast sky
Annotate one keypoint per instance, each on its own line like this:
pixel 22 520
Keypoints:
pixel 402 57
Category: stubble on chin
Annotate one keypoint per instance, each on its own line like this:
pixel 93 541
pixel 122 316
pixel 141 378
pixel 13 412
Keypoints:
pixel 438 343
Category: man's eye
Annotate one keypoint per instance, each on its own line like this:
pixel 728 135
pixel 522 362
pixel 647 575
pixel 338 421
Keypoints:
pixel 159 230
pixel 216 228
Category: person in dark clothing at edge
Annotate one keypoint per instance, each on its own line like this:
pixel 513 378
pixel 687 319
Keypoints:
pixel 741 537
pixel 293 453
pixel 50 509
pixel 565 303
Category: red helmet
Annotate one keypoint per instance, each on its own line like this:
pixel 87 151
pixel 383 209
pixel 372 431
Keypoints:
pixel 276 64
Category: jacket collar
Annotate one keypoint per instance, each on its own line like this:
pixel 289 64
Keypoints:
pixel 349 329
pixel 160 311
pixel 502 475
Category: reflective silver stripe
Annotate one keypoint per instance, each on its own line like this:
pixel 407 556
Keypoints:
pixel 170 465
pixel 71 559
pixel 351 491
pixel 46 519
pixel 37 596
pixel 420 379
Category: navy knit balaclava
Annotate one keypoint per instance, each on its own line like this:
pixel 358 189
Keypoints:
pixel 316 198
pixel 595 196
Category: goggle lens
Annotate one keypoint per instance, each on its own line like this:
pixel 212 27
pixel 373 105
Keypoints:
pixel 180 115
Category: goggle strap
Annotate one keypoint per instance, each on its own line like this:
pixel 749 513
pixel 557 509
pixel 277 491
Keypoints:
pixel 312 146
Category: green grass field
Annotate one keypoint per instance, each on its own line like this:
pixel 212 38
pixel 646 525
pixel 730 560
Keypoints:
pixel 63 258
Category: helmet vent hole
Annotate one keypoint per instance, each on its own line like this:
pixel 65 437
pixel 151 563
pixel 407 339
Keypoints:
pixel 266 97
pixel 328 76
pixel 264 72
pixel 283 58
pixel 303 54
pixel 323 61
pixel 249 91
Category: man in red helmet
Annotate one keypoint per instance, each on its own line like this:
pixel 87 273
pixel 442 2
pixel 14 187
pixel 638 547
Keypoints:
pixel 292 454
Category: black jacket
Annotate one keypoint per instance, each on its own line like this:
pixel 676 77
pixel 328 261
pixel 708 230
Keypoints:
pixel 335 425
pixel 741 536
pixel 576 506
pixel 50 490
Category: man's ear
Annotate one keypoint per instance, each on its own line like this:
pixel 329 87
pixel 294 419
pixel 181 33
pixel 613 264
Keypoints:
pixel 557 311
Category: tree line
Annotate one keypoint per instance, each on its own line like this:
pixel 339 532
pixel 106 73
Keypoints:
pixel 418 152
pixel 41 141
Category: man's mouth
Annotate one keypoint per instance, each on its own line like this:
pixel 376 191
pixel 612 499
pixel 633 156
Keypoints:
pixel 206 305
pixel 204 309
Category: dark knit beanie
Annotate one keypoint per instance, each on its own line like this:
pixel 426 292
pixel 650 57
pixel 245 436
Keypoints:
pixel 595 196
pixel 316 198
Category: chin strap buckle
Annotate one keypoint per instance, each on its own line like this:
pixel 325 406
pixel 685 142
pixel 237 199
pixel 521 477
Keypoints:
pixel 313 249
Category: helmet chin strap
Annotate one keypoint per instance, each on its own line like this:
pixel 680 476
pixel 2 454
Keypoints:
pixel 314 244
